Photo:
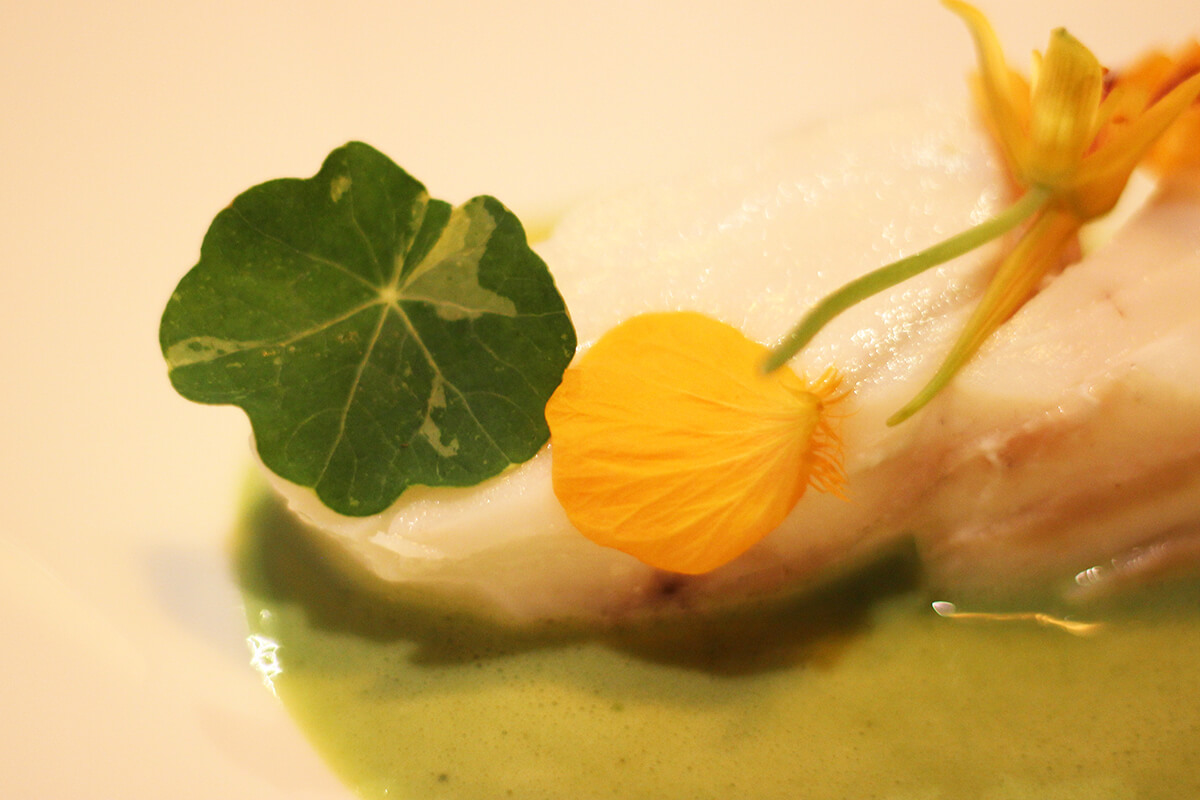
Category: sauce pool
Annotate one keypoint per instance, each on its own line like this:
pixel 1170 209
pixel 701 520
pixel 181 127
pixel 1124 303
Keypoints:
pixel 859 691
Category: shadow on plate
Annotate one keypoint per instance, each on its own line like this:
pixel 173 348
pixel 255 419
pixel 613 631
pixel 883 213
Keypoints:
pixel 280 560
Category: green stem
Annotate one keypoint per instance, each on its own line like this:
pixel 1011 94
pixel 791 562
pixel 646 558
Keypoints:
pixel 899 271
pixel 1015 281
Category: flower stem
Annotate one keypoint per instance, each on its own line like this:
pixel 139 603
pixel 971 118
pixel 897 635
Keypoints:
pixel 898 271
pixel 1039 251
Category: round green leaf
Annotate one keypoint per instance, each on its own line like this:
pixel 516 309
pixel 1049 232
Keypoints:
pixel 375 337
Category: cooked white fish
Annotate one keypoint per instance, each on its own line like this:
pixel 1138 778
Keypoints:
pixel 1069 445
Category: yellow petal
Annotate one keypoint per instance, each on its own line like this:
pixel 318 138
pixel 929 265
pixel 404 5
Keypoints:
pixel 1065 101
pixel 670 444
pixel 1178 149
pixel 1005 93
pixel 1099 182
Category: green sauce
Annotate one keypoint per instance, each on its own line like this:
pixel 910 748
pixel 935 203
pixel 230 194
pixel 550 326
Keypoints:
pixel 861 692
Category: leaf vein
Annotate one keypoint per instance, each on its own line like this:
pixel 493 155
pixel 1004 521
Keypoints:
pixel 437 369
pixel 179 355
pixel 512 367
pixel 350 395
pixel 328 262
pixel 363 235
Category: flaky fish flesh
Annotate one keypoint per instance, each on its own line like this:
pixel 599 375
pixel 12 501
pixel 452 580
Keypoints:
pixel 1065 458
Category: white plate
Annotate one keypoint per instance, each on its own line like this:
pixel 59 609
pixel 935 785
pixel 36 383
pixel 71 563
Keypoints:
pixel 126 126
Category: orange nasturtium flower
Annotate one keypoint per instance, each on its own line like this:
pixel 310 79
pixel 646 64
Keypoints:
pixel 1070 146
pixel 671 444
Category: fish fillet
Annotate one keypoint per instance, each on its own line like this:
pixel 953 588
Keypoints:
pixel 1064 458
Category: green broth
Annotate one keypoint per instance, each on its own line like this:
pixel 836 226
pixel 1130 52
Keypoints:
pixel 860 692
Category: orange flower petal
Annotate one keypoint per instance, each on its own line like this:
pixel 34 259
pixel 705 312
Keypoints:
pixel 671 445
pixel 1153 77
pixel 1005 93
pixel 1100 180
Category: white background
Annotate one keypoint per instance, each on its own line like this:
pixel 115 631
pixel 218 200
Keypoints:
pixel 125 127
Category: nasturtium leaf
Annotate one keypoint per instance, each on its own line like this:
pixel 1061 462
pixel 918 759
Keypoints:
pixel 376 338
